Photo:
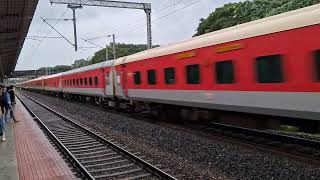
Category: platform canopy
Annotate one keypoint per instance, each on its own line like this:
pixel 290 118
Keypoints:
pixel 15 20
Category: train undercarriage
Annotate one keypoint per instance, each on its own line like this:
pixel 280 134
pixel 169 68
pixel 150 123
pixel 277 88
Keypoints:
pixel 184 114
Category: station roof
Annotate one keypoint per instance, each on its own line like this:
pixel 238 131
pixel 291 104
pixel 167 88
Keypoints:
pixel 15 20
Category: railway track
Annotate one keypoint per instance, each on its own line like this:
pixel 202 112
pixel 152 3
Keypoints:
pixel 93 156
pixel 302 149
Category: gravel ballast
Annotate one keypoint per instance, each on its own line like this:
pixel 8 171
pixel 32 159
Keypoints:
pixel 180 153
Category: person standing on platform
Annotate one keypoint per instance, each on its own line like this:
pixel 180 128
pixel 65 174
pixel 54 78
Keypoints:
pixel 2 123
pixel 12 98
pixel 1 99
pixel 12 95
pixel 7 105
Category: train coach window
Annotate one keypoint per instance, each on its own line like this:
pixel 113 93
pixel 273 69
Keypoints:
pixel 193 74
pixel 317 65
pixel 137 78
pixel 81 82
pixel 90 81
pixel 74 82
pixel 224 72
pixel 269 69
pixel 151 76
pixel 169 76
pixel 85 81
pixel 77 82
pixel 96 81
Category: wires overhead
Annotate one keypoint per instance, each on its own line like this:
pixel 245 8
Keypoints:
pixel 49 15
pixel 138 26
pixel 139 21
pixel 86 40
pixel 54 24
pixel 46 35
pixel 58 32
pixel 178 10
pixel 164 9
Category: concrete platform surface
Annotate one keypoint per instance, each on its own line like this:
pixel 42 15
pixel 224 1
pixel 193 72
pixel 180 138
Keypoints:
pixel 8 160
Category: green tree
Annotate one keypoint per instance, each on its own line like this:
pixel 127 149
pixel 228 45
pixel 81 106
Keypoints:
pixel 121 51
pixel 62 68
pixel 54 70
pixel 232 14
pixel 80 63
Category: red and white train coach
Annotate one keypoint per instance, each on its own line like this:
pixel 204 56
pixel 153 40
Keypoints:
pixel 269 66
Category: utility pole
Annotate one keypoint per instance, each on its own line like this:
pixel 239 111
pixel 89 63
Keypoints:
pixel 73 8
pixel 114 46
pixel 147 10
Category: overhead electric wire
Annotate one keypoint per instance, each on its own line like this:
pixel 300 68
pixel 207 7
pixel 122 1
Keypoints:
pixel 48 37
pixel 41 29
pixel 49 14
pixel 58 32
pixel 41 40
pixel 55 23
pixel 176 10
pixel 86 40
pixel 32 39
pixel 140 19
pixel 173 4
pixel 158 11
pixel 164 16
pixel 87 47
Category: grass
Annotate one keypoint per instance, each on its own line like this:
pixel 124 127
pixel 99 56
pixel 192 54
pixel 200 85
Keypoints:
pixel 295 131
pixel 287 128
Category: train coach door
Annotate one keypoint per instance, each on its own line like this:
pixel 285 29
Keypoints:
pixel 60 84
pixel 120 84
pixel 124 80
pixel 109 89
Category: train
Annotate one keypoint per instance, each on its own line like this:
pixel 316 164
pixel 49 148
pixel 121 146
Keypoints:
pixel 269 66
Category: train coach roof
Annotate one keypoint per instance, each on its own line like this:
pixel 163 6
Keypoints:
pixel 33 80
pixel 79 70
pixel 286 21
pixel 90 67
pixel 53 76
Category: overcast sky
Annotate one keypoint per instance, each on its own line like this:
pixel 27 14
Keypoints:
pixel 128 25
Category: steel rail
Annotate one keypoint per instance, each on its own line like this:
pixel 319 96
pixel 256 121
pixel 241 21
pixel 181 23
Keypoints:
pixel 74 160
pixel 150 168
pixel 269 135
pixel 301 149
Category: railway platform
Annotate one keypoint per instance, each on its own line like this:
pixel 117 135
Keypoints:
pixel 27 153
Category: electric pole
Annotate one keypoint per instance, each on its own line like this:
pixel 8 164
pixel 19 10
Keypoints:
pixel 73 8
